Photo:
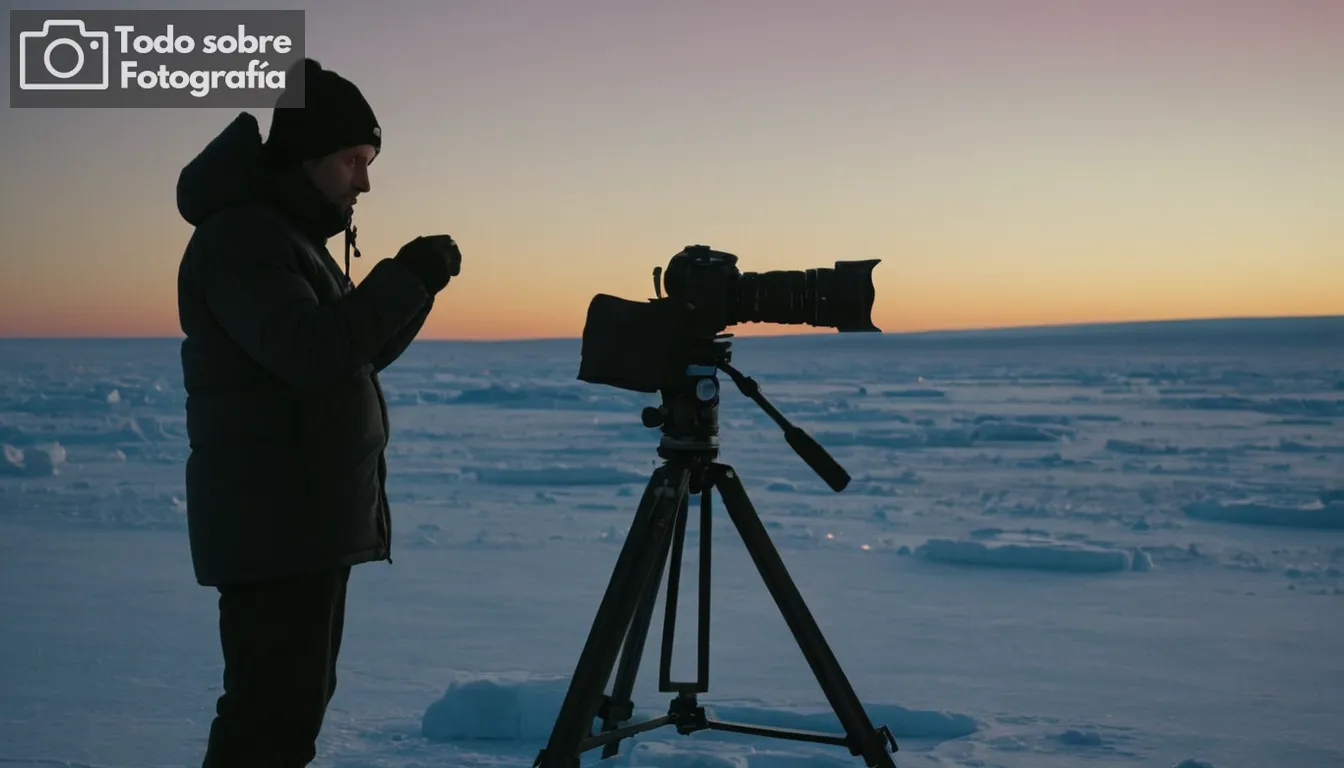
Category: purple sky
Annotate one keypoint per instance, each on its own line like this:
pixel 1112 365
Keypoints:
pixel 1010 162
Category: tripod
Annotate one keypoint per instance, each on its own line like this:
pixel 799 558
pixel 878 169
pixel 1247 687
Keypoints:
pixel 689 449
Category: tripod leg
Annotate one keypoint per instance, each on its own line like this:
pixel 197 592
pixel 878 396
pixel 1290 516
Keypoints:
pixel 673 592
pixel 662 498
pixel 864 739
pixel 620 706
pixel 665 681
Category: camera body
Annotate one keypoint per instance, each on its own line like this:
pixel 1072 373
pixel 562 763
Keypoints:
pixel 647 346
pixel 705 280
pixel 38 70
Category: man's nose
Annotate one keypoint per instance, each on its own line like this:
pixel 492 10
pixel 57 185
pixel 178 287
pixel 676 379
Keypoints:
pixel 361 179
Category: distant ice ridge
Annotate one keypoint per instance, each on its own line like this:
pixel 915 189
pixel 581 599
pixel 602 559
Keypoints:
pixel 113 430
pixel 530 395
pixel 523 707
pixel 945 437
pixel 1294 406
pixel 1327 513
pixel 998 550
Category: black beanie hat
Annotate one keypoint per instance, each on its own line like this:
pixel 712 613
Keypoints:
pixel 334 115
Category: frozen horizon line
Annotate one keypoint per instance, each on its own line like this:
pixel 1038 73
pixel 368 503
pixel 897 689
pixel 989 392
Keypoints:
pixel 1067 327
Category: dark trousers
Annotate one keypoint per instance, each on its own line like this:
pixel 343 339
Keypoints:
pixel 280 643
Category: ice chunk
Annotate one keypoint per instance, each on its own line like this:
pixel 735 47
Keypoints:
pixel 1042 556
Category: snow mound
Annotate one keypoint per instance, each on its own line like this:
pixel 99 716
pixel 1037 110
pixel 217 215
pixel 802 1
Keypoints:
pixel 11 460
pixel 1076 738
pixel 1318 514
pixel 502 707
pixel 496 707
pixel 34 461
pixel 1039 554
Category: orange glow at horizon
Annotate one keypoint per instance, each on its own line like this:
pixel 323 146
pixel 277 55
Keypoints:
pixel 453 323
pixel 1041 163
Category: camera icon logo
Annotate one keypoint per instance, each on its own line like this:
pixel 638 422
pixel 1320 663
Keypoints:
pixel 38 71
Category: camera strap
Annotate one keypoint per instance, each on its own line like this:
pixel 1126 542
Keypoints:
pixel 317 257
pixel 350 233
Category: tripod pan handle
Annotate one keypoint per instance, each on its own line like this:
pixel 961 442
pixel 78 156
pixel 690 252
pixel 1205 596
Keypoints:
pixel 810 451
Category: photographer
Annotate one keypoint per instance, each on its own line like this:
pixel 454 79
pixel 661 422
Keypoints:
pixel 285 415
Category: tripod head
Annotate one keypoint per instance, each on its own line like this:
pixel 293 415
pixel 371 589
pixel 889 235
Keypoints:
pixel 689 413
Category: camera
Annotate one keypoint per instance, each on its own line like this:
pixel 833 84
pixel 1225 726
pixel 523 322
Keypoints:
pixel 64 56
pixel 641 346
pixel 723 295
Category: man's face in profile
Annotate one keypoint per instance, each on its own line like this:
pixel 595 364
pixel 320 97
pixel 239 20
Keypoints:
pixel 343 175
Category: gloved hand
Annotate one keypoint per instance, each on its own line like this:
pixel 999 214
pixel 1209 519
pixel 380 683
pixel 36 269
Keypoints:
pixel 434 259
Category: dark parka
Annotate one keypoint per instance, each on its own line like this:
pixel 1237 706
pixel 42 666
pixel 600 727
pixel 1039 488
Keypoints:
pixel 285 414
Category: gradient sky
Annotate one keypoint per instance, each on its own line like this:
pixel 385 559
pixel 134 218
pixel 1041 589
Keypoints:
pixel 1011 161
